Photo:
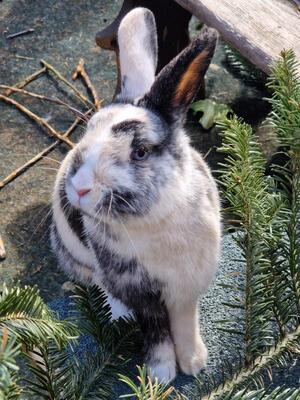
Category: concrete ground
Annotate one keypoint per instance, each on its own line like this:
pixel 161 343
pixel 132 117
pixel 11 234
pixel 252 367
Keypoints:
pixel 64 31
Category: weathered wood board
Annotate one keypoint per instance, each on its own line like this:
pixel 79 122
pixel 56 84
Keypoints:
pixel 259 29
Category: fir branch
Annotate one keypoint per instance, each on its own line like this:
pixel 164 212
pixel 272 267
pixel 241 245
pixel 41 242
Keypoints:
pixel 277 355
pixel 92 311
pixel 269 232
pixel 57 374
pixel 146 389
pixel 117 341
pixel 242 68
pixel 24 314
pixel 262 394
pixel 248 192
pixel 52 374
pixel 94 378
pixel 9 350
pixel 285 120
pixel 285 115
pixel 120 337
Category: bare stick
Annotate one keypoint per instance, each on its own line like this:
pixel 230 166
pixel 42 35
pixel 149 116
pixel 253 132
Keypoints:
pixel 80 71
pixel 25 32
pixel 19 171
pixel 37 119
pixel 2 249
pixel 44 98
pixel 28 79
pixel 59 76
pixel 23 57
pixel 27 165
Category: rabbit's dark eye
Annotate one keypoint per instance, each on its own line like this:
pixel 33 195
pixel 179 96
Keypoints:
pixel 140 154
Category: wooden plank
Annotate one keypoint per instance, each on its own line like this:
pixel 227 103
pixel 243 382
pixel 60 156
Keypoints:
pixel 259 29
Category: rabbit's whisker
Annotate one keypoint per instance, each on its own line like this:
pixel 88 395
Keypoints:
pixel 99 220
pixel 52 159
pixel 130 239
pixel 125 201
pixel 104 233
pixel 49 169
pixel 48 213
pixel 110 202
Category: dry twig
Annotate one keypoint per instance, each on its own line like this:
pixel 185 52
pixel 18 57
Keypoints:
pixel 83 117
pixel 22 57
pixel 59 76
pixel 80 71
pixel 17 172
pixel 44 98
pixel 40 121
pixel 25 32
pixel 27 80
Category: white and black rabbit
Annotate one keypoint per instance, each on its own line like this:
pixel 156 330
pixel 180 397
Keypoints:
pixel 135 208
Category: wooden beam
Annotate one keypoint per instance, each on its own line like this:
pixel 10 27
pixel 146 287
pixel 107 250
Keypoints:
pixel 259 29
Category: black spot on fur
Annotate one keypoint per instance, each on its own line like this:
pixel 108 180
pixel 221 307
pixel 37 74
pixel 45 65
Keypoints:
pixel 127 126
pixel 124 79
pixel 122 100
pixel 139 293
pixel 154 322
pixel 69 263
pixel 76 162
pixel 109 260
pixel 124 202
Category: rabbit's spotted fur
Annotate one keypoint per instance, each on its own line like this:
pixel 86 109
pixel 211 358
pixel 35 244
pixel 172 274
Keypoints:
pixel 147 230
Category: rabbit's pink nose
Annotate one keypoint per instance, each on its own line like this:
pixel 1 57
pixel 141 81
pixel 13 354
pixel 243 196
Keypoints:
pixel 83 192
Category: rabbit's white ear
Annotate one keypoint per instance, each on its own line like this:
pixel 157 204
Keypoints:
pixel 137 40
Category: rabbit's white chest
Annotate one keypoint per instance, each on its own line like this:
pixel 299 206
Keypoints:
pixel 175 257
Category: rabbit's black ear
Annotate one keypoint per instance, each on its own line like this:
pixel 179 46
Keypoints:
pixel 177 84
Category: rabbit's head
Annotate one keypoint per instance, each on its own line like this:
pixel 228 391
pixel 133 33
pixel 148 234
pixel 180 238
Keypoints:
pixel 134 150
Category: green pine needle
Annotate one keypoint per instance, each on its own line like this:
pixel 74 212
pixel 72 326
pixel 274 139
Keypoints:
pixel 146 389
pixel 277 355
pixel 9 350
pixel 24 314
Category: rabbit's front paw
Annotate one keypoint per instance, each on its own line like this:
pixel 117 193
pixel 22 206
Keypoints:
pixel 162 364
pixel 164 371
pixel 194 360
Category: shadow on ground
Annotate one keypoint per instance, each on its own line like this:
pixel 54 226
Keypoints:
pixel 38 263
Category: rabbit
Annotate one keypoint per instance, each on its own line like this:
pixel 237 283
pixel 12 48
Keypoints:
pixel 136 210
